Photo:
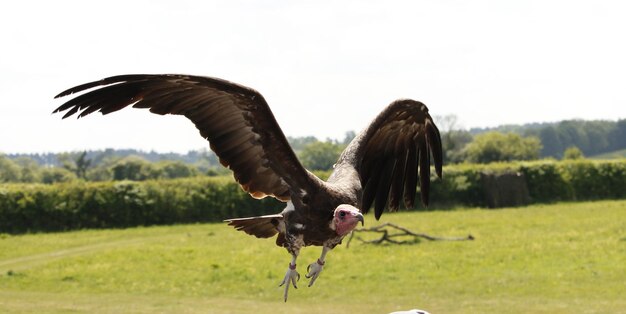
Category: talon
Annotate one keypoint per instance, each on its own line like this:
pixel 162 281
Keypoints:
pixel 291 278
pixel 314 270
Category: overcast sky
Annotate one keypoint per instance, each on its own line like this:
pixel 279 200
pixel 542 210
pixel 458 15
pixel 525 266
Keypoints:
pixel 325 67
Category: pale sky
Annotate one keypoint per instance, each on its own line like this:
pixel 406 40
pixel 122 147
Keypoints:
pixel 325 67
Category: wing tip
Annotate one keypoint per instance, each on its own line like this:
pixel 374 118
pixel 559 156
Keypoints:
pixel 377 214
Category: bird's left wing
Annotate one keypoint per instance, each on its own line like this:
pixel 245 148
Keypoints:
pixel 392 154
pixel 235 119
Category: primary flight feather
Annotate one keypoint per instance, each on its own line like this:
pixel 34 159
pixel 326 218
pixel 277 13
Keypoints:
pixel 382 166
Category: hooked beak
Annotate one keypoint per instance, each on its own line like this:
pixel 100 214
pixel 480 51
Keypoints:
pixel 360 218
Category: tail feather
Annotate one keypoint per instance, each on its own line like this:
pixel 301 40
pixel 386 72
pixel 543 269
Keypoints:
pixel 260 226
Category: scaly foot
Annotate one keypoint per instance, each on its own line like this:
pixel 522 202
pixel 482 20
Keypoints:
pixel 292 277
pixel 314 270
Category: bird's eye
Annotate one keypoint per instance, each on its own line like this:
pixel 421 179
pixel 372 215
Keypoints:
pixel 342 214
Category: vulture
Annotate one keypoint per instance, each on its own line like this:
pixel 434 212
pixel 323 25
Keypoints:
pixel 380 168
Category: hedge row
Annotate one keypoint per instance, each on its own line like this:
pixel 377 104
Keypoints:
pixel 76 205
pixel 547 181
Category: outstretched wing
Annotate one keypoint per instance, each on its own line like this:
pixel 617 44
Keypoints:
pixel 392 153
pixel 235 119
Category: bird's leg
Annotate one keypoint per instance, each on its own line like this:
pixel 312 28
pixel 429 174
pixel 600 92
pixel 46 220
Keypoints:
pixel 314 269
pixel 292 276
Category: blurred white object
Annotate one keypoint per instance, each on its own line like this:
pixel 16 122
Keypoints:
pixel 413 311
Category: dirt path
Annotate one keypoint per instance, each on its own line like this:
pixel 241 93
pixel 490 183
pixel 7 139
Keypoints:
pixel 28 261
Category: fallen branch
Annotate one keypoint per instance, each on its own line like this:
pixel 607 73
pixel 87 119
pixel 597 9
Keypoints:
pixel 386 236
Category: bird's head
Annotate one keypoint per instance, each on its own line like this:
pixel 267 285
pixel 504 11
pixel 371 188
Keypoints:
pixel 345 219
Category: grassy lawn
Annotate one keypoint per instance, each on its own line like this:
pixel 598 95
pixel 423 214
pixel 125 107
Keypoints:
pixel 563 258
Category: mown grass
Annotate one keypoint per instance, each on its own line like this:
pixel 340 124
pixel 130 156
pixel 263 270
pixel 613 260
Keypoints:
pixel 562 258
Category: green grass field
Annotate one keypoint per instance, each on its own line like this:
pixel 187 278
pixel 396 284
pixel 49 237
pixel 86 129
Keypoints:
pixel 563 258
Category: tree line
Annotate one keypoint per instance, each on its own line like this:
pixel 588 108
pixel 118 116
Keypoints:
pixel 564 139
pixel 569 139
pixel 592 137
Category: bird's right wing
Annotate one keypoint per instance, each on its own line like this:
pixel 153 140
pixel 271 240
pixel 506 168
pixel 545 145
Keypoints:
pixel 235 119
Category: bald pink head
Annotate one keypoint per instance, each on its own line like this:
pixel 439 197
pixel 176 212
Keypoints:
pixel 346 218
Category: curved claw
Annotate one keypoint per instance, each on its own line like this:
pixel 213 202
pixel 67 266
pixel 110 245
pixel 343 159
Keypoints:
pixel 291 278
pixel 313 271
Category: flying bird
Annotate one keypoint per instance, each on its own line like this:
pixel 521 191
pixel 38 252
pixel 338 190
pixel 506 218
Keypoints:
pixel 380 167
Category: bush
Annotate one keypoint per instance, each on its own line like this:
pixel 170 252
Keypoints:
pixel 496 146
pixel 55 174
pixel 573 152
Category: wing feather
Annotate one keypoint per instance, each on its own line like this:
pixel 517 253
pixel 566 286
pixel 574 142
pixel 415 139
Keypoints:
pixel 411 175
pixel 434 141
pixel 424 174
pixel 391 155
pixel 235 119
pixel 384 185
pixel 397 185
pixel 371 185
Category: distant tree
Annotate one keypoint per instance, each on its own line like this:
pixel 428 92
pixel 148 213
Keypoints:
pixel 105 157
pixel 298 143
pixel 76 162
pixel 453 144
pixel 82 164
pixel 496 146
pixel 202 159
pixel 617 136
pixel 176 169
pixel 29 170
pixel 100 173
pixel 592 137
pixel 598 136
pixel 9 171
pixel 66 160
pixel 350 135
pixel 573 152
pixel 552 145
pixel 134 168
pixel 453 138
pixel 572 134
pixel 56 174
pixel 320 155
pixel 447 123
